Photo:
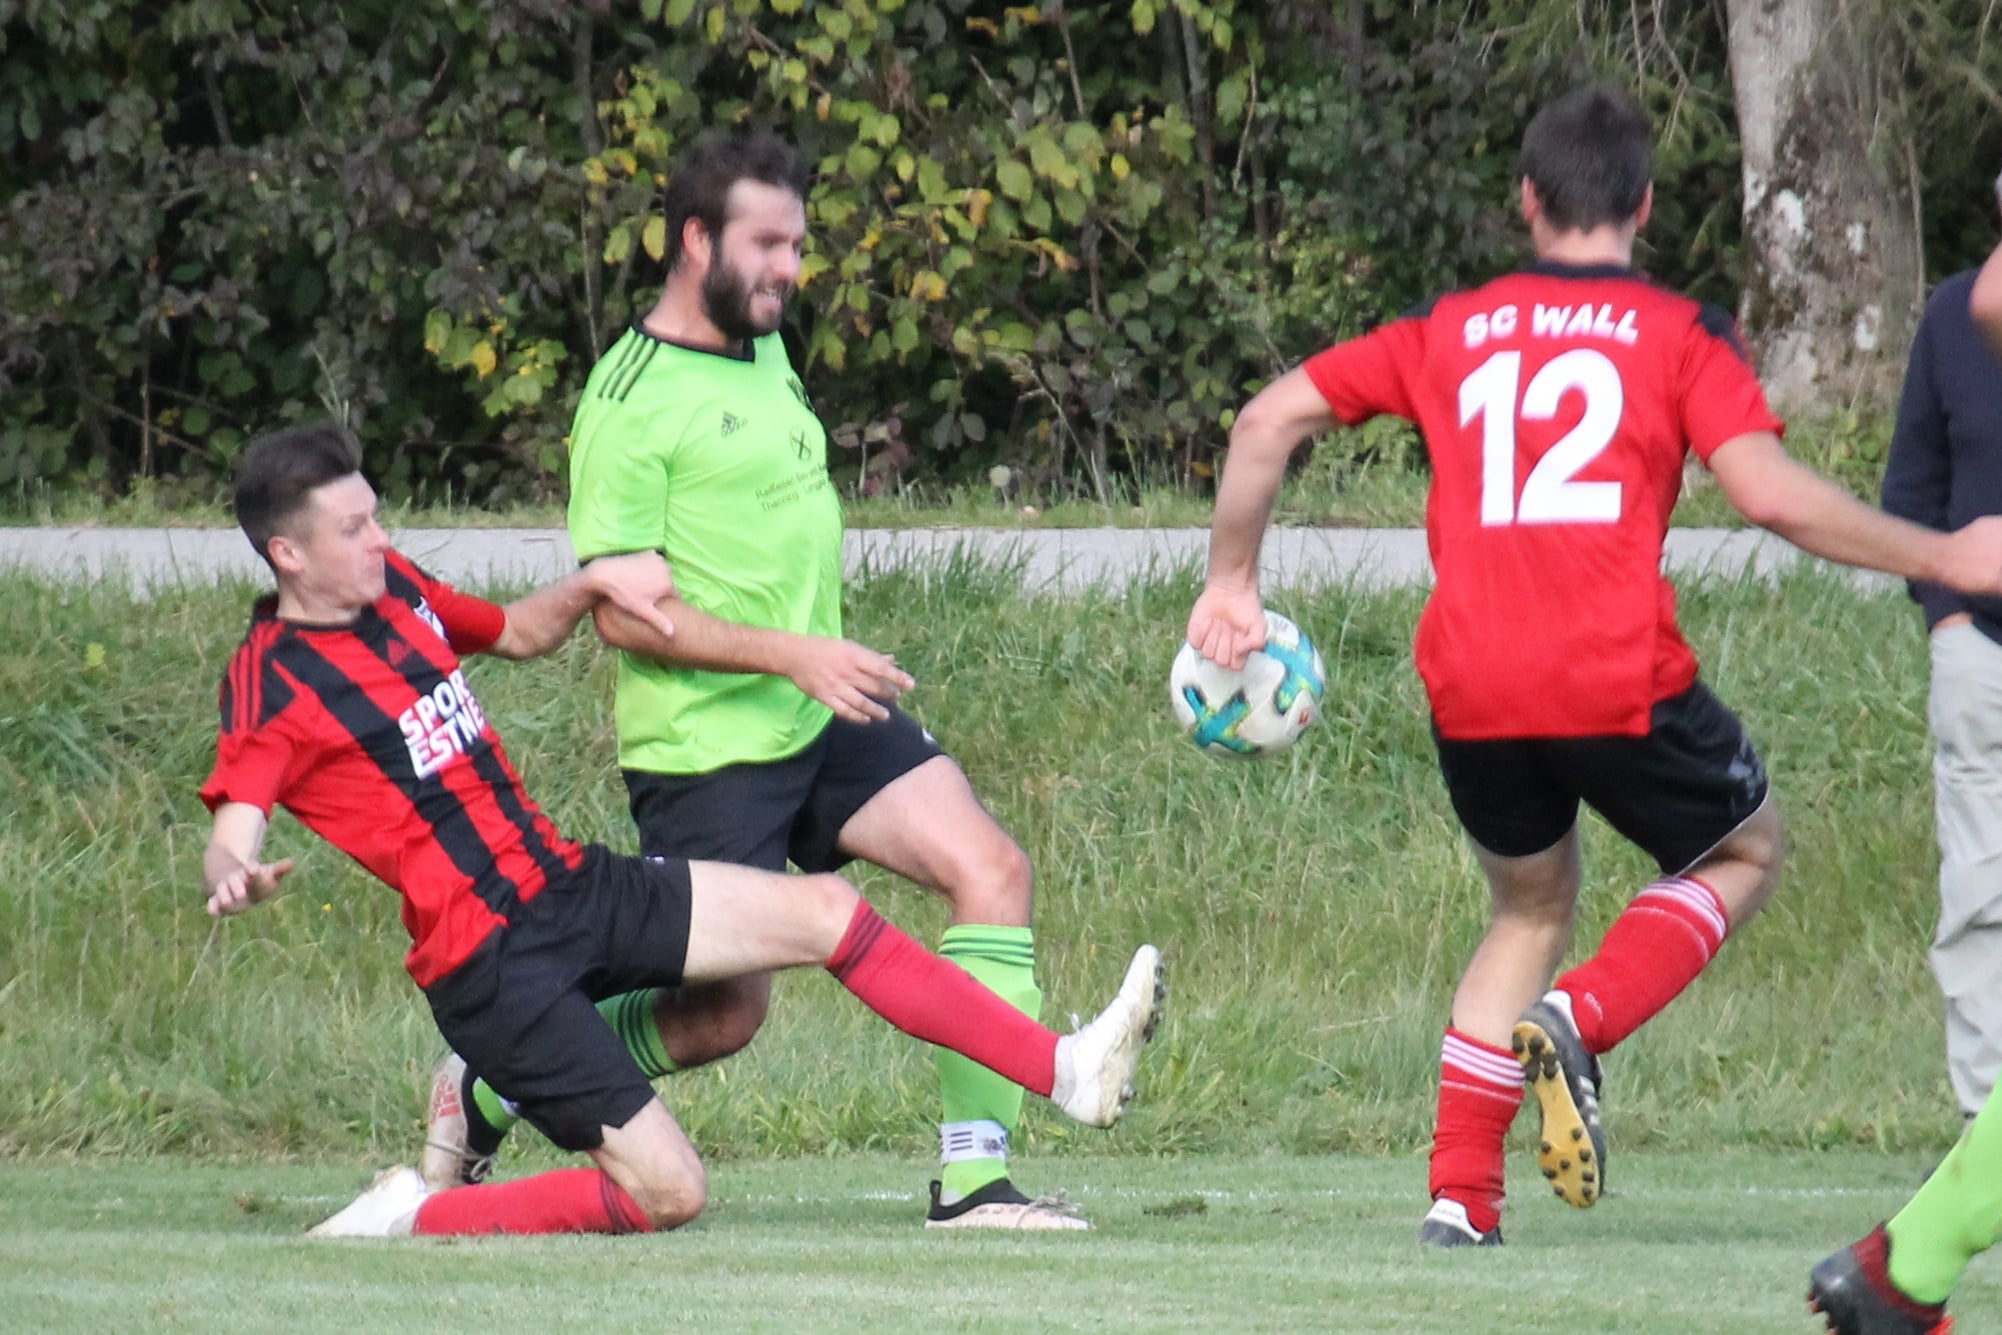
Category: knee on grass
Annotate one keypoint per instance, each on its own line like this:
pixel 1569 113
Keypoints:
pixel 670 1204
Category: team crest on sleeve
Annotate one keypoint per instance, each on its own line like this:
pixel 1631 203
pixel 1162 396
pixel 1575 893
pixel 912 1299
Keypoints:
pixel 429 618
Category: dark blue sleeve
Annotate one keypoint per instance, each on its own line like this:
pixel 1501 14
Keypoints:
pixel 1918 477
pixel 1916 480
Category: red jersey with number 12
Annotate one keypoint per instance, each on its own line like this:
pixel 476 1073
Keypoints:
pixel 1557 405
pixel 369 734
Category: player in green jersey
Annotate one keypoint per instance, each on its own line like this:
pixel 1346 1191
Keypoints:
pixel 758 734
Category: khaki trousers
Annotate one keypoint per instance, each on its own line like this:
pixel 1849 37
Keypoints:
pixel 1965 710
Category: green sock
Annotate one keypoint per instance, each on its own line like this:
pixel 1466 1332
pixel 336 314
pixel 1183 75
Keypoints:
pixel 631 1018
pixel 1954 1216
pixel 490 1107
pixel 1003 958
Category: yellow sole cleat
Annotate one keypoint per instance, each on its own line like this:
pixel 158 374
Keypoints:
pixel 1571 1149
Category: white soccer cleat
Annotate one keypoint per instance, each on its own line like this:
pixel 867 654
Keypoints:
pixel 1095 1065
pixel 1002 1205
pixel 387 1209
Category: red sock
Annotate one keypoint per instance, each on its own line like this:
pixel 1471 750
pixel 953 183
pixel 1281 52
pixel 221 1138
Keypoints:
pixel 568 1200
pixel 936 1000
pixel 1480 1088
pixel 1653 950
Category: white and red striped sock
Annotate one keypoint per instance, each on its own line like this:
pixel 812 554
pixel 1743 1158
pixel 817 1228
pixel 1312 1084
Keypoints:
pixel 1653 950
pixel 1480 1088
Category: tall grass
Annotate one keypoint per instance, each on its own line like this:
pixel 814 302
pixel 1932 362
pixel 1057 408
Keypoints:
pixel 1375 477
pixel 1315 908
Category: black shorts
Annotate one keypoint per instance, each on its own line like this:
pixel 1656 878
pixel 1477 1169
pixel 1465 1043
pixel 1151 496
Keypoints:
pixel 521 1010
pixel 759 815
pixel 1678 792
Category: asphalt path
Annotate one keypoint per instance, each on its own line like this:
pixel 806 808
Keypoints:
pixel 1048 561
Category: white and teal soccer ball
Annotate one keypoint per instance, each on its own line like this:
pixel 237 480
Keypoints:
pixel 1258 710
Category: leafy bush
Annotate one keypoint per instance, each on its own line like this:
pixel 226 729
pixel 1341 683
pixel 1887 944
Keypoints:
pixel 1065 239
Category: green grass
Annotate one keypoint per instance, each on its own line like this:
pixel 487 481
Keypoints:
pixel 178 1097
pixel 1719 1243
pixel 1328 489
pixel 1315 908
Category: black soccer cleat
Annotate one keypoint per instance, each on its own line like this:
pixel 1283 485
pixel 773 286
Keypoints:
pixel 1853 1293
pixel 1566 1079
pixel 1000 1204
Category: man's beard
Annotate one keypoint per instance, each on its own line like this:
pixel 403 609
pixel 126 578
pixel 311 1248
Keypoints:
pixel 726 300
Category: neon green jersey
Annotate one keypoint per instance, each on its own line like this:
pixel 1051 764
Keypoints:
pixel 720 464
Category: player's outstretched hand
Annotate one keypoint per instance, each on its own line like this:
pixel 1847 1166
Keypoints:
pixel 252 883
pixel 851 679
pixel 635 583
pixel 1974 563
pixel 1227 623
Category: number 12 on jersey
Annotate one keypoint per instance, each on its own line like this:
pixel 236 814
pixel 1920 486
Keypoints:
pixel 1552 494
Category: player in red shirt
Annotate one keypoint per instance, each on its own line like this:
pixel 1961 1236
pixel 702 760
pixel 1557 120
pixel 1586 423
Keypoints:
pixel 1557 406
pixel 346 704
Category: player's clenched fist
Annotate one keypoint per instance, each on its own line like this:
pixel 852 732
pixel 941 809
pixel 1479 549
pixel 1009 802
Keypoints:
pixel 1975 563
pixel 635 583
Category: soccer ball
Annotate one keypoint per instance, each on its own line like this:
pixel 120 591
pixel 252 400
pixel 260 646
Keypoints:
pixel 1256 711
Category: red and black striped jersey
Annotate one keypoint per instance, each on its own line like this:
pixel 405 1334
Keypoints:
pixel 1558 405
pixel 369 734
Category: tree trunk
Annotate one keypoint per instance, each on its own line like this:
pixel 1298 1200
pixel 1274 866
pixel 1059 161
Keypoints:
pixel 1834 272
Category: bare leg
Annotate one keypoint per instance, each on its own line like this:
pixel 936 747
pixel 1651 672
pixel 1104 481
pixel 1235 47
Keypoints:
pixel 745 921
pixel 1535 901
pixel 930 827
pixel 648 1177
pixel 652 1159
pixel 1744 870
pixel 742 919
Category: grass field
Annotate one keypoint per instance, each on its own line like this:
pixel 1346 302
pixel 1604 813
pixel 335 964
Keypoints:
pixel 1717 1243
pixel 178 1096
pixel 1315 909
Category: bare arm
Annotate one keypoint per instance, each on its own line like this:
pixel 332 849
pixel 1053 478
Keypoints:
pixel 636 583
pixel 232 877
pixel 1228 621
pixel 701 640
pixel 1773 491
pixel 851 679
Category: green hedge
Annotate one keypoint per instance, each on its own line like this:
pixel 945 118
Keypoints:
pixel 1068 239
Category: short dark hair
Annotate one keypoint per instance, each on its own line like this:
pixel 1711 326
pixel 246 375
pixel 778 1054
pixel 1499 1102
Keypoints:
pixel 281 471
pixel 698 187
pixel 1590 156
